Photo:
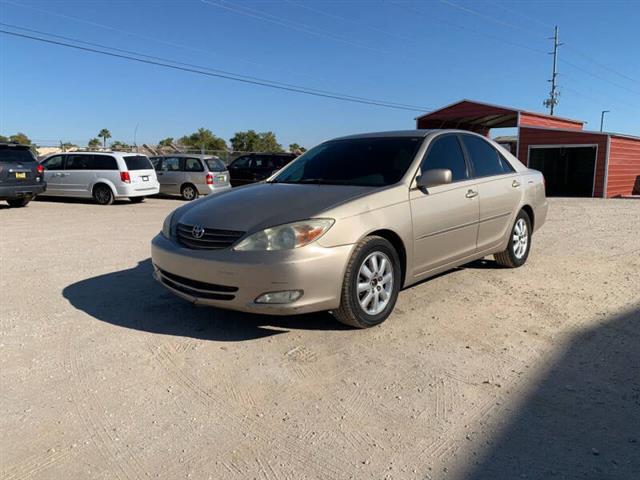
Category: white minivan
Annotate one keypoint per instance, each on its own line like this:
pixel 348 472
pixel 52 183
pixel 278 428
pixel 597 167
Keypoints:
pixel 103 176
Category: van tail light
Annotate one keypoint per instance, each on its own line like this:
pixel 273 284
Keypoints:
pixel 40 169
pixel 209 179
pixel 124 176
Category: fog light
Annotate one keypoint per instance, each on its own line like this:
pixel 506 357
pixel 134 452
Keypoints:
pixel 287 296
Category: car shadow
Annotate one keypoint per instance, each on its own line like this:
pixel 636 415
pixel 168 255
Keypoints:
pixel 582 418
pixel 133 299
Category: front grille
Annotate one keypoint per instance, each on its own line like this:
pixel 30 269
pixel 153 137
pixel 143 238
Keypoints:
pixel 196 288
pixel 212 239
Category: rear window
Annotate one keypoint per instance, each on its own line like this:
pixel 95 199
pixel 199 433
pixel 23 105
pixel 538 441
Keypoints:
pixel 138 162
pixel 215 164
pixel 13 154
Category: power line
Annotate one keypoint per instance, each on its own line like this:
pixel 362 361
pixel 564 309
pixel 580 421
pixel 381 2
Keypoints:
pixel 229 76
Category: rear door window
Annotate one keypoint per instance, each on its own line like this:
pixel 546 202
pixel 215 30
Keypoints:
pixel 78 162
pixel 54 163
pixel 193 165
pixel 170 164
pixel 486 160
pixel 261 162
pixel 138 162
pixel 241 162
pixel 446 152
pixel 12 154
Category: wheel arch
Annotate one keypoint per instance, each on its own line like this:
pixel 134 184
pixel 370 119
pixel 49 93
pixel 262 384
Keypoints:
pixel 184 184
pixel 529 210
pixel 106 183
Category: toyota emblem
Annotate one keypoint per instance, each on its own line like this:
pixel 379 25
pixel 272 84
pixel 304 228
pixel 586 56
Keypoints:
pixel 197 232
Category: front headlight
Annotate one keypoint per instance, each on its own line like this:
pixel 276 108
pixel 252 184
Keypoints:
pixel 288 236
pixel 166 226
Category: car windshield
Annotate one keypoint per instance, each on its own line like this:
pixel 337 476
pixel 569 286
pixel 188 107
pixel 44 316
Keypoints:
pixel 215 165
pixel 371 161
pixel 13 154
pixel 138 162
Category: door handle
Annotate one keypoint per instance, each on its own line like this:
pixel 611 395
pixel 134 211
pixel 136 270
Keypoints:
pixel 471 193
pixel 515 184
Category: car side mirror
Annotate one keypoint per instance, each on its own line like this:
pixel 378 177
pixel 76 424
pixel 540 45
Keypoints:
pixel 434 177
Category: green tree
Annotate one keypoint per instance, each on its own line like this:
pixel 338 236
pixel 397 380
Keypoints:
pixel 104 134
pixel 203 138
pixel 166 142
pixel 4 139
pixel 120 146
pixel 93 143
pixel 20 138
pixel 295 147
pixel 250 141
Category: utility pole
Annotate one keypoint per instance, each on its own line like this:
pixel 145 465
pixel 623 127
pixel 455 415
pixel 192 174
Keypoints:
pixel 552 101
pixel 602 118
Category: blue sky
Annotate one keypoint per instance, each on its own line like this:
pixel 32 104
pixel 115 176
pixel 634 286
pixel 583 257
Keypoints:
pixel 414 52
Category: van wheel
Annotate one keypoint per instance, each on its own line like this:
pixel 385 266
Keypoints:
pixel 19 202
pixel 517 251
pixel 188 192
pixel 371 284
pixel 136 199
pixel 102 195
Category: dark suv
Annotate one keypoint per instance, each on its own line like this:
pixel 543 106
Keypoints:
pixel 255 167
pixel 21 176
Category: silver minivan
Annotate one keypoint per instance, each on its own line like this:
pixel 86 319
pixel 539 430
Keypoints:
pixel 190 175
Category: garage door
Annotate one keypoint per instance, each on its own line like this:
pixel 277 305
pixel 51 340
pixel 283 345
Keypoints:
pixel 568 171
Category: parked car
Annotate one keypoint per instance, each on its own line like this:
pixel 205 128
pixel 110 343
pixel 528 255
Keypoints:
pixel 105 177
pixel 352 221
pixel 191 175
pixel 21 176
pixel 255 167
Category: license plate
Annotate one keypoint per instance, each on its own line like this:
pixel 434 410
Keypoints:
pixel 145 178
pixel 21 175
pixel 222 178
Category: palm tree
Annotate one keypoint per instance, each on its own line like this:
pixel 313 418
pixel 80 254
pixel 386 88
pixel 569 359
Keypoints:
pixel 104 134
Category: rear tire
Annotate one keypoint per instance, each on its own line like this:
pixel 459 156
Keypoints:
pixel 189 192
pixel 367 300
pixel 136 199
pixel 19 202
pixel 102 195
pixel 519 246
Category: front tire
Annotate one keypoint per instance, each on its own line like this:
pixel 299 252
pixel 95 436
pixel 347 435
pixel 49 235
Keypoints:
pixel 517 251
pixel 19 202
pixel 188 192
pixel 371 284
pixel 102 195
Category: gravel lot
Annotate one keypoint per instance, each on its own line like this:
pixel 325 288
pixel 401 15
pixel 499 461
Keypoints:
pixel 481 373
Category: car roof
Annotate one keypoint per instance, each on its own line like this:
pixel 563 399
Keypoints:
pixel 187 155
pixel 420 132
pixel 15 145
pixel 107 152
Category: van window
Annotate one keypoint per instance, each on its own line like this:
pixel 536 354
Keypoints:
pixel 77 162
pixel 170 164
pixel 138 162
pixel 54 163
pixel 102 162
pixel 193 165
pixel 215 165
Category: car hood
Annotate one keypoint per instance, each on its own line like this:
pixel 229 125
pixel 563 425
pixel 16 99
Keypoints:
pixel 263 205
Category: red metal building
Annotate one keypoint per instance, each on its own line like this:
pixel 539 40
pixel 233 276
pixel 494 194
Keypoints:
pixel 574 161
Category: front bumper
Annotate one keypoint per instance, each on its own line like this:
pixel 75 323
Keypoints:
pixel 233 280
pixel 22 190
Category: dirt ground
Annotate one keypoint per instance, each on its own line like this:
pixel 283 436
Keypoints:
pixel 481 373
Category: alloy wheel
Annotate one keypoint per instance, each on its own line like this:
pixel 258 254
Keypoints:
pixel 520 238
pixel 375 283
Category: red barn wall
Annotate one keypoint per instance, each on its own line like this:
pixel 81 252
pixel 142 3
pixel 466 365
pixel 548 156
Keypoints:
pixel 624 167
pixel 531 120
pixel 543 136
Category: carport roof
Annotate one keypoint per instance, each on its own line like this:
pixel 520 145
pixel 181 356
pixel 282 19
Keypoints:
pixel 482 115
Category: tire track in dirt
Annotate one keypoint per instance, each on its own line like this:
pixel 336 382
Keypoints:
pixel 238 427
pixel 123 463
pixel 36 463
